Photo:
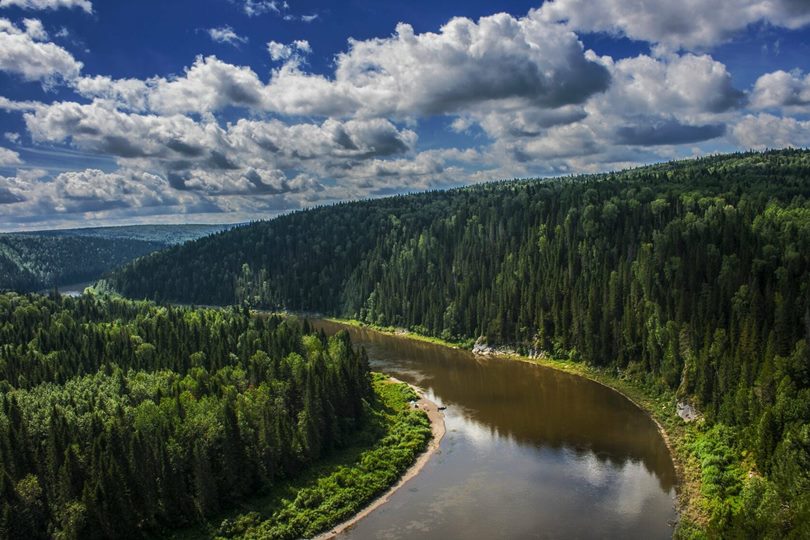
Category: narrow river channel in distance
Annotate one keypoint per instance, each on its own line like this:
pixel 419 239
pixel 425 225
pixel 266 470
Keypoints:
pixel 530 452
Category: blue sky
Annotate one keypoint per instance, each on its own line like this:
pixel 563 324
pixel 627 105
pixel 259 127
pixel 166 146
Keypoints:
pixel 230 110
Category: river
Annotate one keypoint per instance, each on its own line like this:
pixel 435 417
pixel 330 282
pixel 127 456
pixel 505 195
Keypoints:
pixel 530 452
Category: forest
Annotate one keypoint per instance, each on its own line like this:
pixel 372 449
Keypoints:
pixel 125 419
pixel 692 277
pixel 31 263
pixel 41 260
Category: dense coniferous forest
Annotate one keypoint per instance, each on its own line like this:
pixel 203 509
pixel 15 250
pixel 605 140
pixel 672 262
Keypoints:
pixel 120 418
pixel 35 261
pixel 692 276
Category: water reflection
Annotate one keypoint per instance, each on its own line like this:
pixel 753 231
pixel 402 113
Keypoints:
pixel 530 452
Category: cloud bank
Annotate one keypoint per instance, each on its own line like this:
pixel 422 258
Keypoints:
pixel 226 142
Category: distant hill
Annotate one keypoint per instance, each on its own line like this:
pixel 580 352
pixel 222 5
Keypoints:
pixel 32 261
pixel 164 234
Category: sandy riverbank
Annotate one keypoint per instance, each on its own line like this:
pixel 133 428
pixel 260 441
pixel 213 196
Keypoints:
pixel 437 426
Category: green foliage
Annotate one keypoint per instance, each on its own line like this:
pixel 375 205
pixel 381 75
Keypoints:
pixel 43 259
pixel 120 418
pixel 403 434
pixel 690 276
pixel 722 481
pixel 32 263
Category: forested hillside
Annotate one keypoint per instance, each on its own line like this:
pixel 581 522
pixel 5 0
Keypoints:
pixel 34 261
pixel 691 276
pixel 119 419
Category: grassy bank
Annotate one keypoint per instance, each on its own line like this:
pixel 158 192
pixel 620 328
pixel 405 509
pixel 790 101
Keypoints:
pixel 335 488
pixel 711 478
pixel 402 332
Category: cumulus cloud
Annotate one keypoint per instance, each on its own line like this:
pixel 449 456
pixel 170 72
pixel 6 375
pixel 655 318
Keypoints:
pixel 683 84
pixel 21 53
pixel 182 148
pixel 253 8
pixel 684 24
pixel 131 94
pixel 9 157
pixel 11 192
pixel 226 34
pixel 34 29
pixel 26 196
pixel 94 190
pixel 765 130
pixel 782 89
pixel 651 102
pixel 208 85
pixel 84 5
pixel 498 61
pixel 295 50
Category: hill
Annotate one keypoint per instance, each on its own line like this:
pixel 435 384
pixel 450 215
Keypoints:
pixel 690 277
pixel 39 260
pixel 164 234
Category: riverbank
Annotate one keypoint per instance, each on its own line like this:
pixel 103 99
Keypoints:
pixel 342 486
pixel 678 436
pixel 438 431
pixel 401 332
pixel 660 406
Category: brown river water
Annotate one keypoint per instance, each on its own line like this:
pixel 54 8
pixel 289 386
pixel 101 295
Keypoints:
pixel 530 452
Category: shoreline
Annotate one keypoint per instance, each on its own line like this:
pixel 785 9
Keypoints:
pixel 438 430
pixel 687 488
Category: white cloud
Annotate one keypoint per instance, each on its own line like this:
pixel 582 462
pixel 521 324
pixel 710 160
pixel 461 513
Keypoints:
pixel 35 30
pixel 253 8
pixel 12 136
pixel 225 34
pixel 782 89
pixel 208 85
pixel 94 189
pixel 89 192
pixel 85 5
pixel 765 130
pixel 500 58
pixel 674 84
pixel 295 50
pixel 11 105
pixel 21 54
pixel 181 148
pixel 684 24
pixel 9 157
pixel 651 103
pixel 129 93
pixel 500 61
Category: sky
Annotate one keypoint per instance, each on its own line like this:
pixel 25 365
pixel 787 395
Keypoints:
pixel 225 111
